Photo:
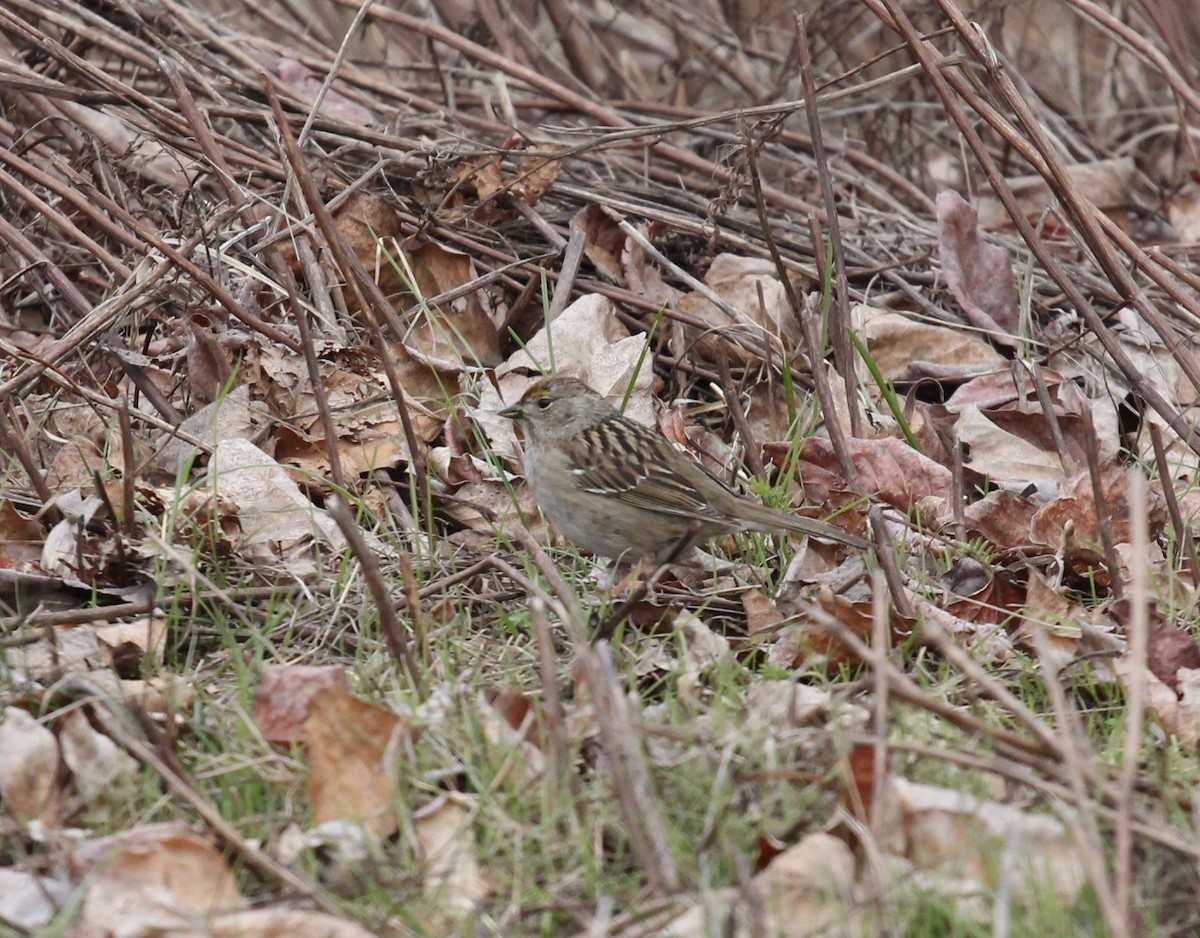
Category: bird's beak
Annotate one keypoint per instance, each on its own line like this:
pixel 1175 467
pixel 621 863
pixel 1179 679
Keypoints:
pixel 512 412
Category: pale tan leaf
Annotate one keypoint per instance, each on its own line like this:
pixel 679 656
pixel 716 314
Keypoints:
pixel 449 862
pixel 349 779
pixel 29 765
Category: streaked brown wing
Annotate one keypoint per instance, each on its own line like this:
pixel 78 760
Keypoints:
pixel 629 462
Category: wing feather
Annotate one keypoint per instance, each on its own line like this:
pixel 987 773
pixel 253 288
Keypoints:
pixel 624 460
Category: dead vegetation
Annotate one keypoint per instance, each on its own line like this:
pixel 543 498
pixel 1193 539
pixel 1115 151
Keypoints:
pixel 279 623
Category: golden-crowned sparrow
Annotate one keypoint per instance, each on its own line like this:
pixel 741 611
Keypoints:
pixel 616 487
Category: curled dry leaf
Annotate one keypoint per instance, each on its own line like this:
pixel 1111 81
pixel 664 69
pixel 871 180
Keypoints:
pixel 1170 649
pixel 1003 517
pixel 980 275
pixel 604 240
pixel 364 219
pixel 1077 507
pixel 278 523
pixel 457 332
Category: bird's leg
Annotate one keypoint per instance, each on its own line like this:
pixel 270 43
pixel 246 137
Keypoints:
pixel 679 549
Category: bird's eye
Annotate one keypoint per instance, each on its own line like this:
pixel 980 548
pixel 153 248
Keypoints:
pixel 543 403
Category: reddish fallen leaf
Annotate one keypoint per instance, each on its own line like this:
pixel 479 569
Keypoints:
pixel 858 797
pixel 1003 517
pixel 460 331
pixel 283 696
pixel 889 469
pixel 1168 649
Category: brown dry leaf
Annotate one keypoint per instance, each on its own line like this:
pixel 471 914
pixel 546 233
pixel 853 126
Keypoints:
pixel 945 829
pixel 1176 706
pixel 808 637
pixel 1106 183
pixel 808 889
pixel 1183 211
pixel 69 542
pixel 858 796
pixel 509 723
pixel 233 416
pixel 148 634
pixel 980 275
pixel 455 333
pixel 1169 648
pixel 209 365
pixel 29 766
pixel 703 647
pixel 535 177
pixel 162 696
pixel 786 704
pixel 357 391
pixel 485 509
pixel 889 469
pixel 750 286
pixel 762 615
pixel 1007 436
pixel 988 642
pixel 283 696
pixel 1022 452
pixel 904 349
pixel 154 880
pixel 58 652
pixel 364 220
pixel 605 241
pixel 483 174
pixel 20 538
pixel 1048 609
pixel 449 863
pixel 348 740
pixel 618 258
pixel 1003 517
